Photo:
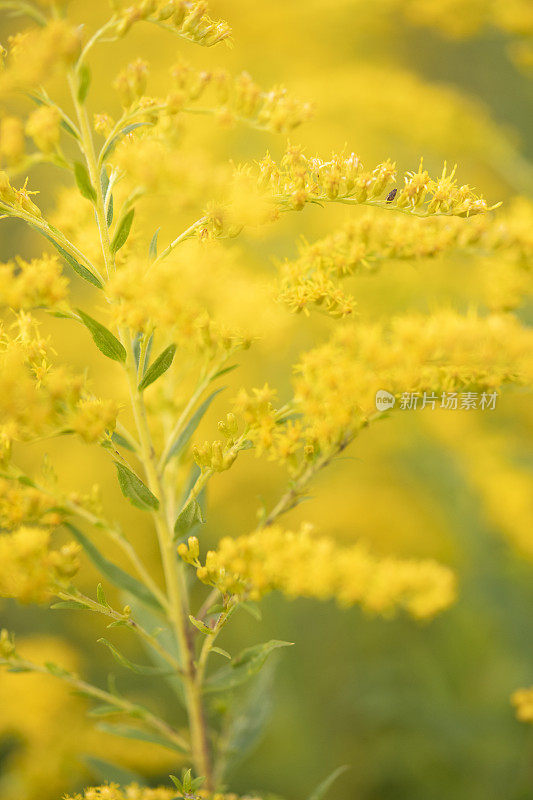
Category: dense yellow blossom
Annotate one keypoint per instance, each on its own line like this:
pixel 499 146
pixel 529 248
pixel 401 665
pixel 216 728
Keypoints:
pixel 365 243
pixel 12 144
pixel 20 503
pixel 31 571
pixel 34 54
pixel 299 180
pixel 299 564
pixel 44 128
pixel 186 18
pixel 38 399
pixel 29 284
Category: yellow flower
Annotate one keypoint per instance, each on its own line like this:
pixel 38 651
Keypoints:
pixel 12 145
pixel 29 570
pixel 299 564
pixel 44 128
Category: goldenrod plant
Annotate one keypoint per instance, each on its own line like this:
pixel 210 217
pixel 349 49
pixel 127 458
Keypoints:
pixel 168 333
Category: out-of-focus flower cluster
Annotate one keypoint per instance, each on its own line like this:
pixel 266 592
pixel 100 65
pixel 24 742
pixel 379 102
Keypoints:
pixel 29 284
pixel 522 700
pixel 229 98
pixel 335 384
pixel 148 297
pixel 186 18
pixel 33 55
pixel 299 180
pixel 364 243
pixel 21 503
pixel 31 571
pixel 299 564
pixel 38 399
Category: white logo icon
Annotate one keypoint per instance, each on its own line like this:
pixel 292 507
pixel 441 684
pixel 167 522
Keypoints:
pixel 384 400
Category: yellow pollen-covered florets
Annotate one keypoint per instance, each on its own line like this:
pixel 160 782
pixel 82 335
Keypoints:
pixel 30 571
pixel 186 18
pixel 299 180
pixel 298 564
pixel 30 284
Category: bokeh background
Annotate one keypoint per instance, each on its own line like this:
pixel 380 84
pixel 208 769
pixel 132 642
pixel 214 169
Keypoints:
pixel 418 712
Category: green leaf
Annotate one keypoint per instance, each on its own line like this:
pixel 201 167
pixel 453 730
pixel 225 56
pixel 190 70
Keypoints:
pixel 160 366
pixel 106 772
pixel 82 271
pixel 84 76
pixel 85 186
pixel 188 519
pixel 165 636
pixel 104 710
pixel 152 251
pixel 248 717
pixel 224 372
pixel 69 129
pixel 74 604
pixel 140 669
pixel 321 790
pixel 134 489
pixel 121 441
pixel 128 732
pixel 185 436
pixel 199 625
pixel 105 341
pixel 116 139
pixel 100 596
pixel 243 666
pixel 112 572
pixel 123 231
pixel 109 215
pixel 221 652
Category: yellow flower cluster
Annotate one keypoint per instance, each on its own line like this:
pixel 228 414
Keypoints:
pixel 299 180
pixel 16 201
pixel 336 384
pixel 299 564
pixel 134 792
pixel 186 18
pixel 145 297
pixel 38 399
pixel 364 243
pixel 20 503
pixel 30 284
pixel 33 55
pixel 31 571
pixel 522 700
pixel 237 99
pixel 12 142
pixel 43 126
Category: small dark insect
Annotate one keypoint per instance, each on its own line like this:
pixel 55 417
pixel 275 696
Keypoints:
pixel 391 195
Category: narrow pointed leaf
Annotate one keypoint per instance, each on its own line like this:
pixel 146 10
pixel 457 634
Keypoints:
pixel 243 666
pixel 112 572
pixel 83 181
pixel 137 733
pixel 152 252
pixel 321 790
pixel 185 436
pixel 84 74
pixel 73 604
pixel 188 519
pixel 123 231
pixel 134 489
pixel 160 366
pixel 121 441
pixel 78 268
pixel 124 132
pixel 140 669
pixel 105 341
